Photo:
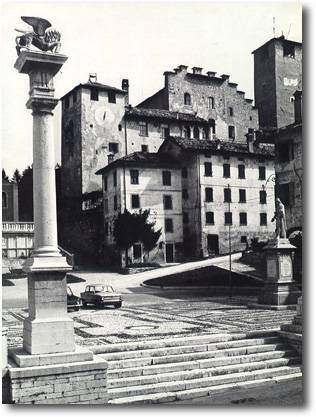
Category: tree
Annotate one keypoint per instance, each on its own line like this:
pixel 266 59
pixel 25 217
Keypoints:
pixel 16 176
pixel 4 175
pixel 130 228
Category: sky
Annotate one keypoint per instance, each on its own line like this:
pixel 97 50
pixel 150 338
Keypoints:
pixel 138 41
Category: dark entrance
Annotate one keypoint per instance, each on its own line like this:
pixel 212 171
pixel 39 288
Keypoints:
pixel 212 245
pixel 137 252
pixel 169 252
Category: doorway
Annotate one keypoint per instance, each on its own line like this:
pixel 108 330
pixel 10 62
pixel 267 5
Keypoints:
pixel 212 245
pixel 169 253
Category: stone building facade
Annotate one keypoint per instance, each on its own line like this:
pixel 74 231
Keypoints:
pixel 144 181
pixel 10 201
pixel 277 75
pixel 226 194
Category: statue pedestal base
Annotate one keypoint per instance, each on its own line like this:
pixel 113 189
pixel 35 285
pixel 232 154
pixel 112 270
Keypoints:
pixel 279 288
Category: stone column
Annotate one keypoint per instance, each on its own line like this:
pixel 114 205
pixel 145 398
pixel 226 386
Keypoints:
pixel 48 329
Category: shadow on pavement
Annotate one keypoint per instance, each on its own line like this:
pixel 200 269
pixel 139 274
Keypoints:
pixel 72 279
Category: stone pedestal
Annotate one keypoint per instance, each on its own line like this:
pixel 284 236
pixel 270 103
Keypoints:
pixel 279 288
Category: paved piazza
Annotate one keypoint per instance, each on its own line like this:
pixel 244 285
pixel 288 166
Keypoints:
pixel 153 321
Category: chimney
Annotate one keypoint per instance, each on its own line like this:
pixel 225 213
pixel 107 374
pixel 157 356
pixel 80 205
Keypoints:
pixel 197 70
pixel 93 77
pixel 225 77
pixel 183 67
pixel 211 73
pixel 125 87
pixel 110 158
pixel 298 106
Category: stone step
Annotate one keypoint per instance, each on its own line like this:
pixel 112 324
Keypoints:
pixel 164 351
pixel 241 387
pixel 193 356
pixel 181 341
pixel 201 382
pixel 214 369
pixel 294 328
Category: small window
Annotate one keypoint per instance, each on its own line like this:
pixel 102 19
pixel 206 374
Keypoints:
pixel 111 97
pixel 243 219
pixel 185 194
pixel 241 172
pixel 94 94
pixel 210 103
pixel 105 183
pixel 143 129
pixel 262 173
pixel 185 218
pixel 144 148
pixel 168 225
pixel 113 147
pixel 167 202
pixel 243 239
pixel 263 197
pixel 226 170
pixel 120 128
pixel 230 111
pixel 164 131
pixel 115 203
pixel 231 132
pixel 263 219
pixel 242 196
pixel 114 179
pixel 209 217
pixel 184 173
pixel 228 218
pixel 187 99
pixel 208 194
pixel 208 169
pixel 227 195
pixel 134 176
pixel 166 177
pixel 289 50
pixel 135 201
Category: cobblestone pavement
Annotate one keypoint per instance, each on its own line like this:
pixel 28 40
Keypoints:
pixel 154 321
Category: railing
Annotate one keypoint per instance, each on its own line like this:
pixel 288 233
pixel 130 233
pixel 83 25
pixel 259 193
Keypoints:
pixel 17 227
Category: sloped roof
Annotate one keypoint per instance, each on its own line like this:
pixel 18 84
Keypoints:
pixel 141 112
pixel 97 85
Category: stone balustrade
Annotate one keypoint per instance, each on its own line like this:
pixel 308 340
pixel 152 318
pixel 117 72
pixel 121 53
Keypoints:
pixel 17 227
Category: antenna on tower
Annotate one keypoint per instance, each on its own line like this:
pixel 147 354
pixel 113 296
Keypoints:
pixel 273 26
pixel 288 31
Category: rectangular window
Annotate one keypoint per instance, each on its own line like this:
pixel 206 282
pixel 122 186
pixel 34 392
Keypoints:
pixel 209 217
pixel 164 131
pixel 226 170
pixel 263 219
pixel 94 94
pixel 241 171
pixel 227 195
pixel 184 173
pixel 111 97
pixel 243 219
pixel 228 217
pixel 231 132
pixel 115 203
pixel 134 176
pixel 185 194
pixel 263 197
pixel 143 129
pixel 243 239
pixel 211 102
pixel 144 148
pixel 113 147
pixel 167 202
pixel 286 194
pixel 284 151
pixel 185 218
pixel 135 201
pixel 166 177
pixel 168 225
pixel 230 111
pixel 114 179
pixel 208 195
pixel 208 169
pixel 242 196
pixel 262 173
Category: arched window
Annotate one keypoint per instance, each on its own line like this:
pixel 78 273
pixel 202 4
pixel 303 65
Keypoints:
pixel 186 132
pixel 4 199
pixel 196 132
pixel 187 99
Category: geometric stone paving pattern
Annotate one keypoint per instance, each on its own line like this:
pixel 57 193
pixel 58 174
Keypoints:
pixel 154 321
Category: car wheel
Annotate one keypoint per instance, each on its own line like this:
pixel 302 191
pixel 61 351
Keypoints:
pixel 76 308
pixel 84 304
pixel 118 305
pixel 99 304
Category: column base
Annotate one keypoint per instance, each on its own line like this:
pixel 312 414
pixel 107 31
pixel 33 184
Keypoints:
pixel 279 293
pixel 48 335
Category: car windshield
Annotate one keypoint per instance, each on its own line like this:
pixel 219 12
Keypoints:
pixel 103 288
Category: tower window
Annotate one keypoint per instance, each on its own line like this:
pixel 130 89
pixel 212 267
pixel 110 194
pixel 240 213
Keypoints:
pixel 288 49
pixel 111 97
pixel 187 99
pixel 94 94
pixel 231 132
pixel 210 102
pixel 230 111
pixel 113 147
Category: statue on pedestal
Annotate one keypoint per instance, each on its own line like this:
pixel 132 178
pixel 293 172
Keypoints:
pixel 43 38
pixel 279 218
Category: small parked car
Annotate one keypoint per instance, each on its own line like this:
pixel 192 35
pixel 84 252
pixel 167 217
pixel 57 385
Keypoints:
pixel 73 302
pixel 101 295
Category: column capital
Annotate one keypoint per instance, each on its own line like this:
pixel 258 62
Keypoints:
pixel 42 104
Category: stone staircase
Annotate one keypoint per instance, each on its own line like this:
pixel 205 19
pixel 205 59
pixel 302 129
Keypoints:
pixel 177 369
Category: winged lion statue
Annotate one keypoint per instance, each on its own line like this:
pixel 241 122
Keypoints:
pixel 41 37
